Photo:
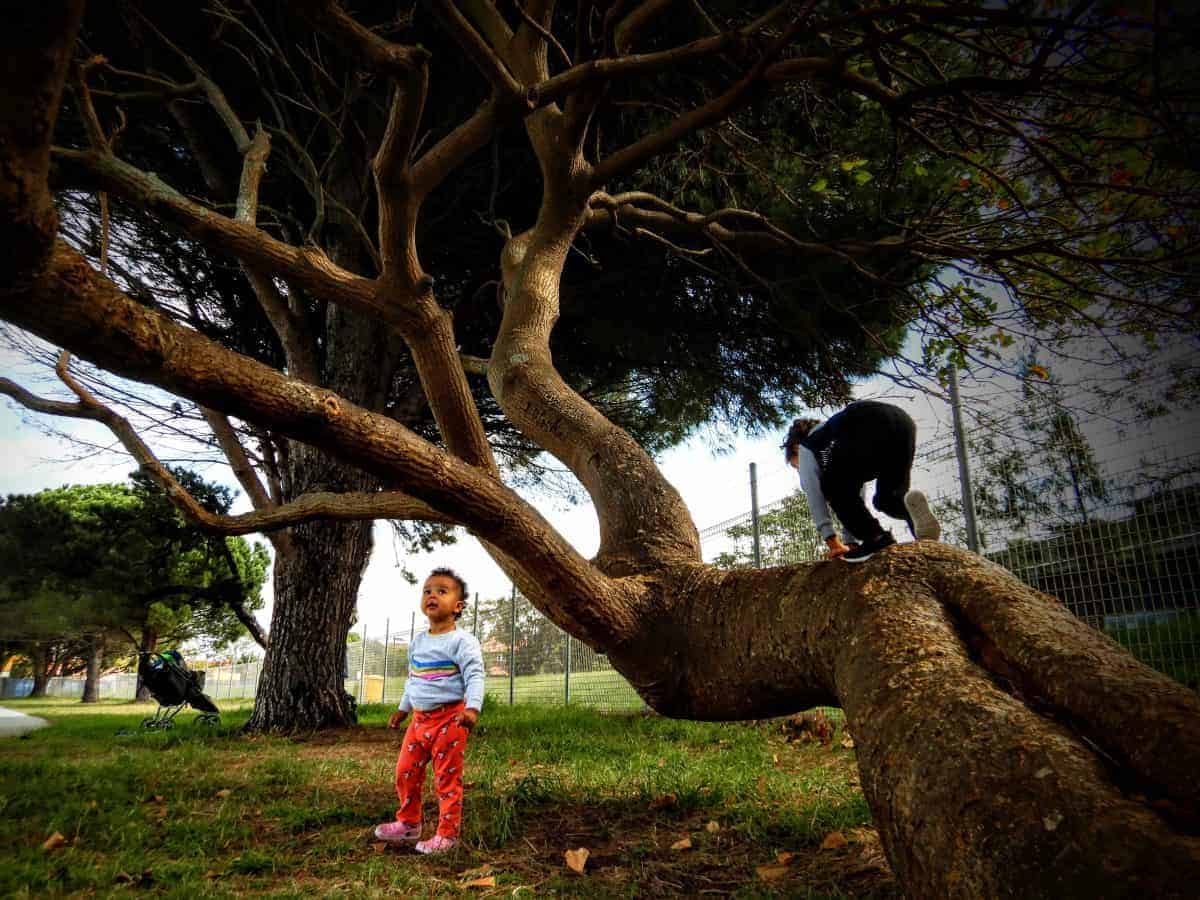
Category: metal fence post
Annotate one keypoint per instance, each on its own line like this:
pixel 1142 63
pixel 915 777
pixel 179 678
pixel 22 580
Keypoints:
pixel 754 513
pixel 567 675
pixel 362 666
pixel 964 468
pixel 387 637
pixel 512 646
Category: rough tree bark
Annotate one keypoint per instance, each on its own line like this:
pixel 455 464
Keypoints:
pixel 1005 748
pixel 91 682
pixel 39 658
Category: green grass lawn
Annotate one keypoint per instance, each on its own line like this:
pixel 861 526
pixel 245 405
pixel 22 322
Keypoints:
pixel 198 813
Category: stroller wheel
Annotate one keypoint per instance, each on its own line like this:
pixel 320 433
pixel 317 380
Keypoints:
pixel 210 719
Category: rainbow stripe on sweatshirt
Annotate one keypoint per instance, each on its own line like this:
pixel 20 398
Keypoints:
pixel 434 670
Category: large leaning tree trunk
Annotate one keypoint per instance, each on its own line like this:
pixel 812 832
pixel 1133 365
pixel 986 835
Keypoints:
pixel 318 568
pixel 1005 748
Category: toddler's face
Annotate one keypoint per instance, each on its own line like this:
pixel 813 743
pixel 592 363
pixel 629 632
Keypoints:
pixel 441 598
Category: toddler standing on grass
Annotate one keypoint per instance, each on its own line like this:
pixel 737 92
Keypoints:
pixel 445 692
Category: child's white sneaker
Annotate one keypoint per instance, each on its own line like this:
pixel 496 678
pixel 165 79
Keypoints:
pixel 398 832
pixel 437 844
pixel 925 524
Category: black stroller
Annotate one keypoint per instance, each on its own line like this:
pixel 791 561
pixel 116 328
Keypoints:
pixel 174 686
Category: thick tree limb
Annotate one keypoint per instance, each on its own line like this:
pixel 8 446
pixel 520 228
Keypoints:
pixel 71 305
pixel 35 53
pixel 398 204
pixel 440 160
pixel 485 59
pixel 360 42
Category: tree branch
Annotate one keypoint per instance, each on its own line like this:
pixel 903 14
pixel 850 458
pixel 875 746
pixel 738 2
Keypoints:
pixel 486 60
pixel 73 306
pixel 239 461
pixel 360 42
pixel 590 73
pixel 318 505
pixel 440 160
pixel 398 205
pixel 309 267
pixel 631 27
pixel 36 47
pixel 635 155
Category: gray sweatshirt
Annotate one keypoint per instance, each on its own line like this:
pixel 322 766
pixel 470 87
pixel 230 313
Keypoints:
pixel 443 668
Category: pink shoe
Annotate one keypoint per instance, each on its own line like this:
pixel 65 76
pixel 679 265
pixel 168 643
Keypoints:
pixel 437 844
pixel 398 832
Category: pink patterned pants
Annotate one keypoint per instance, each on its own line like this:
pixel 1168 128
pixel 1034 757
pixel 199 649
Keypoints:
pixel 432 736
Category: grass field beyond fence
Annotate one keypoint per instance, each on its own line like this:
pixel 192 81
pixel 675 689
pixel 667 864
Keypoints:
pixel 197 813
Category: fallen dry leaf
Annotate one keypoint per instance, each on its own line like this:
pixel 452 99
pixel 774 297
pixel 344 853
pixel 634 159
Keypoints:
pixel 53 842
pixel 775 759
pixel 762 784
pixel 682 844
pixel 577 859
pixel 488 881
pixel 378 846
pixel 663 802
pixel 712 827
pixel 224 792
pixel 771 873
pixel 785 857
pixel 835 840
pixel 662 762
pixel 847 743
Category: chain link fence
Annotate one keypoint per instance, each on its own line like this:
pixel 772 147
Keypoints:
pixel 1104 517
pixel 526 658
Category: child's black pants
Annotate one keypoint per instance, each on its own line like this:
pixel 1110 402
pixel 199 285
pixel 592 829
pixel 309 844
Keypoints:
pixel 875 441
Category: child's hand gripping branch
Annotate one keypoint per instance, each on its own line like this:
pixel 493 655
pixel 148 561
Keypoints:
pixel 444 691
